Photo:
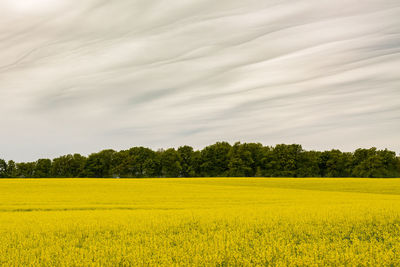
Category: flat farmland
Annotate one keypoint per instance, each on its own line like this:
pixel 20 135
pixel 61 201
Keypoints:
pixel 200 221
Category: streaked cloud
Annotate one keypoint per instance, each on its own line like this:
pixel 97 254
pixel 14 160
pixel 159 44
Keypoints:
pixel 79 76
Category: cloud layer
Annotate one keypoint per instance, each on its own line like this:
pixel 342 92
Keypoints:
pixel 80 76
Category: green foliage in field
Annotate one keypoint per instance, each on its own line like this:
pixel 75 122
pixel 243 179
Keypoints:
pixel 202 221
pixel 218 160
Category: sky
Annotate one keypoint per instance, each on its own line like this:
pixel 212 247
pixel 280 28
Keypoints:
pixel 81 76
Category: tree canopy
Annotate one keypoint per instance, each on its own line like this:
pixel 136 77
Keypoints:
pixel 218 160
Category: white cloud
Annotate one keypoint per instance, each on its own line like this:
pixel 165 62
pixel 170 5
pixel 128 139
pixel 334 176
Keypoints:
pixel 98 74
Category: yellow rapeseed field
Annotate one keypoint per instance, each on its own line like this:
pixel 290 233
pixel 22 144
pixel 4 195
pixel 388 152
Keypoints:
pixel 201 221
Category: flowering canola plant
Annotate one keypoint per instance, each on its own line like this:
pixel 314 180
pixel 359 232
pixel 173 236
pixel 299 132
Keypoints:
pixel 200 221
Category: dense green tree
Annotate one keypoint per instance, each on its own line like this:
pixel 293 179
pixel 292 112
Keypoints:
pixel 389 162
pixel 186 154
pixel 61 167
pixel 334 163
pixel 374 163
pixel 25 169
pixel 3 169
pixel 215 160
pixel 135 162
pixel 141 161
pixel 241 161
pixel 42 168
pixel 78 165
pixel 398 166
pixel 246 159
pixel 266 162
pixel 257 154
pixel 308 165
pixel 68 166
pixel 120 164
pixel 285 159
pixel 100 164
pixel 11 169
pixel 152 166
pixel 196 163
pixel 170 163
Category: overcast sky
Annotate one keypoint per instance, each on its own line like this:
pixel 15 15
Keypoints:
pixel 81 76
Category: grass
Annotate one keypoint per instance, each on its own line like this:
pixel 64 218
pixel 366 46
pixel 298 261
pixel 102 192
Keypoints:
pixel 204 221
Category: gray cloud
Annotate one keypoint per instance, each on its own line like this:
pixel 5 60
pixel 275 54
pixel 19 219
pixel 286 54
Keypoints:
pixel 80 76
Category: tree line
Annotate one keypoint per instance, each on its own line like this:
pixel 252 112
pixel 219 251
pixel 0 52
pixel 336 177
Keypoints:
pixel 218 160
